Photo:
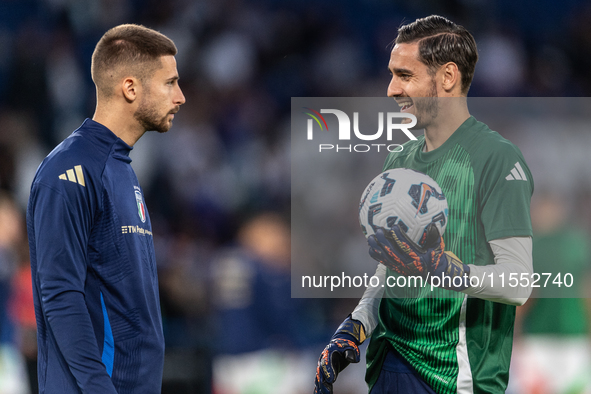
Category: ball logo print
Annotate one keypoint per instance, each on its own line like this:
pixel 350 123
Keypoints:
pixel 405 197
pixel 421 194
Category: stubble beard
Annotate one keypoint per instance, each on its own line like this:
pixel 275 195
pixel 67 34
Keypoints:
pixel 427 108
pixel 150 120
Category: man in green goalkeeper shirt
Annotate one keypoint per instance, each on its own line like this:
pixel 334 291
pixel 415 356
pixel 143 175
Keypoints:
pixel 457 338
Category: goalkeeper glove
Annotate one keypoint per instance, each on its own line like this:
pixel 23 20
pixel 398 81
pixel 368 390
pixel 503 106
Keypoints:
pixel 342 349
pixel 396 251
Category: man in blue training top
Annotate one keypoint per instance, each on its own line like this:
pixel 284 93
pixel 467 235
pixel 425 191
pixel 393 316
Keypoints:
pixel 99 326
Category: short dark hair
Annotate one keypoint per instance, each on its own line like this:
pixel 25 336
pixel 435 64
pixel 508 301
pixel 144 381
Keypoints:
pixel 130 49
pixel 442 41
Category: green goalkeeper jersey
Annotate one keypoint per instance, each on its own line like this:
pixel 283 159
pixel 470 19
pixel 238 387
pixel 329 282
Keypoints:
pixel 460 344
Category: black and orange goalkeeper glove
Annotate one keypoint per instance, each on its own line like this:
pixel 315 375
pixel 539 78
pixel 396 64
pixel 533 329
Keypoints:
pixel 342 350
pixel 399 253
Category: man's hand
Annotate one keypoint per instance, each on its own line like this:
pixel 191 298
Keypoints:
pixel 342 349
pixel 396 251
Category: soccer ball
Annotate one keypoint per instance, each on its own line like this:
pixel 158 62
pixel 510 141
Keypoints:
pixel 405 197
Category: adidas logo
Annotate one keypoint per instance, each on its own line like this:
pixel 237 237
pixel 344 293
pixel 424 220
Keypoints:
pixel 74 175
pixel 517 174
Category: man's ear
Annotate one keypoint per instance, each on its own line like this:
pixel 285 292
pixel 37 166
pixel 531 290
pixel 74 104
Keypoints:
pixel 130 87
pixel 451 80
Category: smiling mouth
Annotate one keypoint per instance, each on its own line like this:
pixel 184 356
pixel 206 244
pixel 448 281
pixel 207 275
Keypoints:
pixel 404 105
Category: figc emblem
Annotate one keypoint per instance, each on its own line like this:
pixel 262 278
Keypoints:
pixel 141 208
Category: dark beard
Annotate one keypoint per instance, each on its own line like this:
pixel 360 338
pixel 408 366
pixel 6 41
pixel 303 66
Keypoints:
pixel 427 107
pixel 149 119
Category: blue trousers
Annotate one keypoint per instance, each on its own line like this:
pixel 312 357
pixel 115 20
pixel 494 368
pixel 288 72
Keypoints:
pixel 399 377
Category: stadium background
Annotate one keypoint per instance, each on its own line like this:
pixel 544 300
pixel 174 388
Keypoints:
pixel 218 184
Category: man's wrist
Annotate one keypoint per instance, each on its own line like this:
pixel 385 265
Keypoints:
pixel 452 273
pixel 353 328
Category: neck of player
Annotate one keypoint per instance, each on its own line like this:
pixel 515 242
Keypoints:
pixel 452 113
pixel 120 120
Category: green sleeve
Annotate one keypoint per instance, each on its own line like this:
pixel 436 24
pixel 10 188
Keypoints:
pixel 505 191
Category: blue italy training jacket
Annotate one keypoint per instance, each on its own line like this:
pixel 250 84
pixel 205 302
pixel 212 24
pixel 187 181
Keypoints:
pixel 99 327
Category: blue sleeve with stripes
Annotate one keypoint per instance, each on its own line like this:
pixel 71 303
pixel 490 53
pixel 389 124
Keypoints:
pixel 62 227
